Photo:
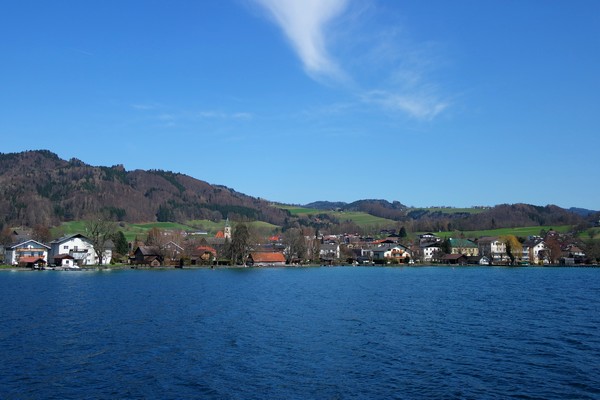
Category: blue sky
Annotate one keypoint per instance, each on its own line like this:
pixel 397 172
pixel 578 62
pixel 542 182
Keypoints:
pixel 455 103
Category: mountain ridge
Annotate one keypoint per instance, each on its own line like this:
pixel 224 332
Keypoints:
pixel 37 187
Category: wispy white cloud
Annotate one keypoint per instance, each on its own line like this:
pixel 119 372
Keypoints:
pixel 386 68
pixel 144 106
pixel 304 23
pixel 224 115
pixel 418 105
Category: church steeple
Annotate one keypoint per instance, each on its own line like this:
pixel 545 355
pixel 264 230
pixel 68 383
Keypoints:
pixel 227 230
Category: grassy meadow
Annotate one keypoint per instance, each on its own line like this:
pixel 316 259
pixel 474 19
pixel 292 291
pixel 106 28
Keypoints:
pixel 519 231
pixel 450 210
pixel 131 231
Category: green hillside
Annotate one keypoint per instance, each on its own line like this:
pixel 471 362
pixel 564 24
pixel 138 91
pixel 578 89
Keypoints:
pixel 519 231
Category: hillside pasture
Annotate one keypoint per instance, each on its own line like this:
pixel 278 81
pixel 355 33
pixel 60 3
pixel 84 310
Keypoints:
pixel 131 231
pixel 362 219
pixel 524 232
pixel 449 210
pixel 297 210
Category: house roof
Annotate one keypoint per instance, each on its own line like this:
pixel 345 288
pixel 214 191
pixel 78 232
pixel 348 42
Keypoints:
pixel 267 257
pixel 532 242
pixel 388 247
pixel 69 237
pixel 487 239
pixel 19 245
pixel 30 259
pixel 462 243
pixel 148 250
pixel 206 249
pixel 64 257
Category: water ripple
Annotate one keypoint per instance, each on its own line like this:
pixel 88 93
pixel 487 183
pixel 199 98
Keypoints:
pixel 327 333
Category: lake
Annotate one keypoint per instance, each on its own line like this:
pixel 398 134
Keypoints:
pixel 301 333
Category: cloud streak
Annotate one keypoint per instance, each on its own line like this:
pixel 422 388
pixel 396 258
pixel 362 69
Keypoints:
pixel 304 24
pixel 382 67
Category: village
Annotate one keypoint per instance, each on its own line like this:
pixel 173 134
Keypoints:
pixel 166 248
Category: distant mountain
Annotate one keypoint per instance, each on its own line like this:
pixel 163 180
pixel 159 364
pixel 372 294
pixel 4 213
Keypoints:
pixel 379 208
pixel 37 187
pixel 422 219
pixel 326 205
pixel 582 211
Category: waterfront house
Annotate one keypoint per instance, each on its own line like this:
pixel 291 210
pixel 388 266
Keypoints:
pixel 173 250
pixel 458 259
pixel 147 255
pixel 430 251
pixel 535 251
pixel 81 249
pixel 266 259
pixel 26 253
pixel 391 252
pixel 329 252
pixel 64 260
pixel 203 255
pixel 494 249
pixel 463 246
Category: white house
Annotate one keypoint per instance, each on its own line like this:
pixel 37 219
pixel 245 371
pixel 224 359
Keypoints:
pixel 27 252
pixel 329 252
pixel 493 248
pixel 535 251
pixel 431 252
pixel 389 252
pixel 80 248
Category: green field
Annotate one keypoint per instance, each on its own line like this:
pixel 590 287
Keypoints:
pixel 131 231
pixel 449 210
pixel 297 210
pixel 360 218
pixel 519 232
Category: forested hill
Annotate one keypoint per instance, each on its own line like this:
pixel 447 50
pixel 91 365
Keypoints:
pixel 448 219
pixel 37 187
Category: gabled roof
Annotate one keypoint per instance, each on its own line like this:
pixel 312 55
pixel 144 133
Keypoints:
pixel 259 257
pixel 389 246
pixel 148 250
pixel 69 237
pixel 487 239
pixel 532 242
pixel 31 259
pixel 18 245
pixel 206 249
pixel 462 243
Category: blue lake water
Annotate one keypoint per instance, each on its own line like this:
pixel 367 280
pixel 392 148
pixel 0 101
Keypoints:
pixel 301 333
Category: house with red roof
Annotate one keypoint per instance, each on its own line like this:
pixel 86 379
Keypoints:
pixel 27 253
pixel 266 259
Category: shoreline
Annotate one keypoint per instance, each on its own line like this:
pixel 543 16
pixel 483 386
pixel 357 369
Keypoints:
pixel 214 267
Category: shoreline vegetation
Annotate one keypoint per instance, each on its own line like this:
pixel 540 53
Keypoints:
pixel 125 267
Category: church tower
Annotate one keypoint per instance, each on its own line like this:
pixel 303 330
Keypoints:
pixel 227 230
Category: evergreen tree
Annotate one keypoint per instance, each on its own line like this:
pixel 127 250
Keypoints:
pixel 121 245
pixel 402 233
pixel 239 244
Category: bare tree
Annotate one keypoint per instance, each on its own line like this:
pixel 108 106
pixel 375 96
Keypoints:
pixel 295 244
pixel 100 231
